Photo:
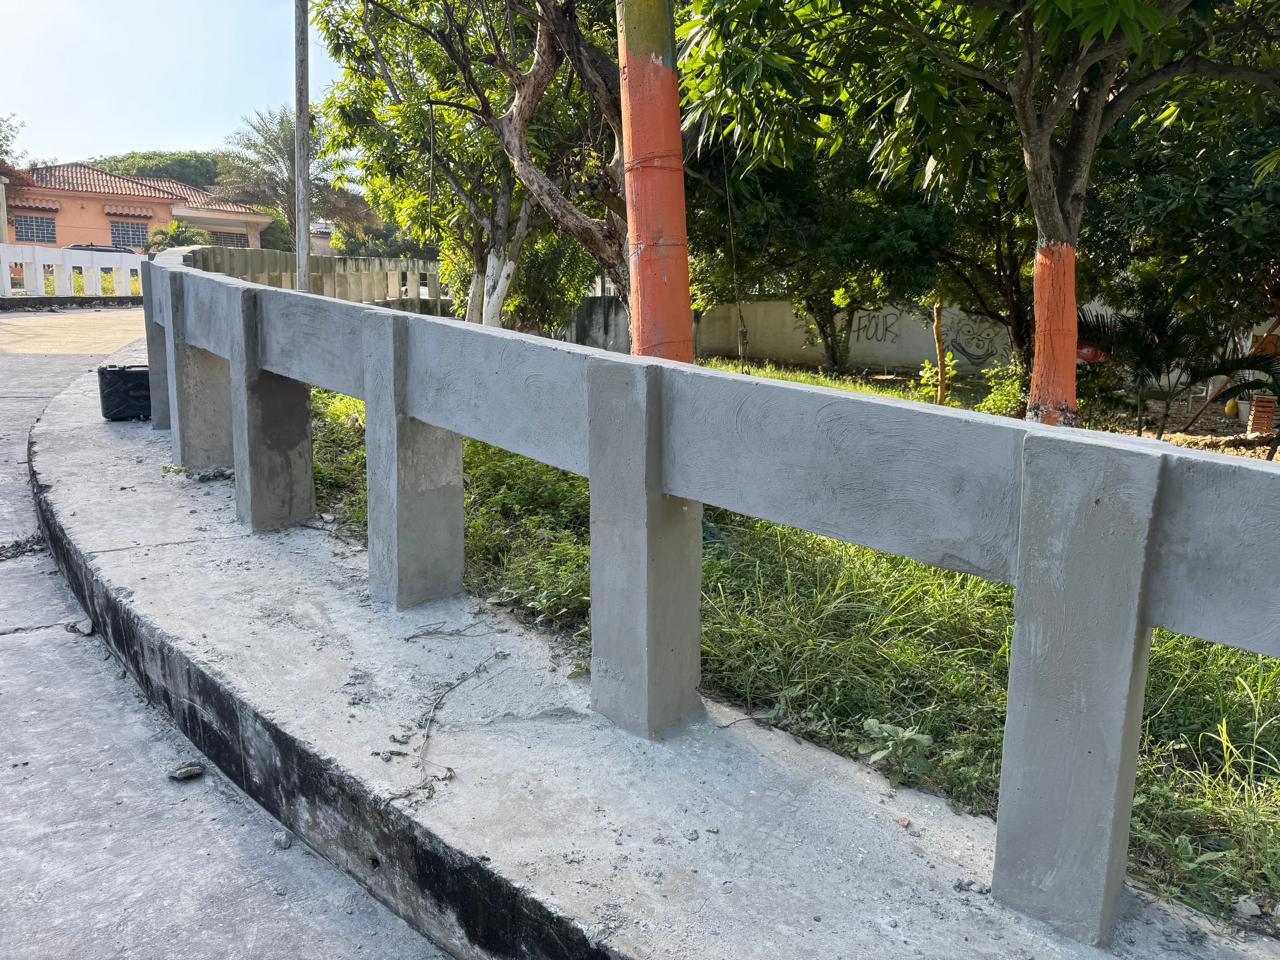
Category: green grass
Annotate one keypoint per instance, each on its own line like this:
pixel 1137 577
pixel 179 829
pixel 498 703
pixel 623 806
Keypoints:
pixel 880 656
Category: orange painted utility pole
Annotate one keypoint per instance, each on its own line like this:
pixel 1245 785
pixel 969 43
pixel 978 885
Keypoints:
pixel 661 318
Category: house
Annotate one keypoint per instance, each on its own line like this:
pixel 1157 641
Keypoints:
pixel 75 203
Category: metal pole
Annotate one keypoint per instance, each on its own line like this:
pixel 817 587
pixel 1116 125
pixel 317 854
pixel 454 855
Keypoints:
pixel 301 148
pixel 661 317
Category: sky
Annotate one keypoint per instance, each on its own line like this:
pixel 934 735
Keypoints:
pixel 97 77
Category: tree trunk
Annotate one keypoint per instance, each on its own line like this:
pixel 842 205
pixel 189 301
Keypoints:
pixel 1053 371
pixel 1020 340
pixel 501 263
pixel 498 271
pixel 942 354
pixel 475 296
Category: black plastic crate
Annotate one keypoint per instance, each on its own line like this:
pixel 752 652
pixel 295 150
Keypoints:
pixel 125 392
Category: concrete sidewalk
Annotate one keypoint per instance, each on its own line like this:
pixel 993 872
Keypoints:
pixel 101 854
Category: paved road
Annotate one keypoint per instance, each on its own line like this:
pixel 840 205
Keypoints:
pixel 101 854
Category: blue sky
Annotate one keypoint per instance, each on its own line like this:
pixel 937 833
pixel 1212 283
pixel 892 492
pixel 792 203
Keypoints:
pixel 95 77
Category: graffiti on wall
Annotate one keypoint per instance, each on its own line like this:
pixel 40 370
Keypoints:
pixel 878 327
pixel 974 338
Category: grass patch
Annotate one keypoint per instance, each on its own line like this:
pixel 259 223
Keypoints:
pixel 879 656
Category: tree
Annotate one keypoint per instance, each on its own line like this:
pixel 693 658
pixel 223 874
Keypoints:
pixel 532 86
pixel 430 167
pixel 554 276
pixel 1181 199
pixel 177 234
pixel 817 234
pixel 380 240
pixel 197 168
pixel 933 80
pixel 11 157
pixel 275 235
pixel 258 170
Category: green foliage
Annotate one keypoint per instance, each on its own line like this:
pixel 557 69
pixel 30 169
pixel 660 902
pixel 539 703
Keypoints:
pixel 1179 201
pixel 337 437
pixel 1161 344
pixel 554 274
pixel 276 235
pixel 1006 389
pixel 198 168
pixel 882 657
pixel 379 240
pixel 258 169
pixel 107 285
pixel 815 233
pixel 177 234
pixel 11 157
pixel 424 100
pixel 926 385
pixel 898 749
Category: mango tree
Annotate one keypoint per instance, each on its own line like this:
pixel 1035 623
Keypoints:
pixel 930 81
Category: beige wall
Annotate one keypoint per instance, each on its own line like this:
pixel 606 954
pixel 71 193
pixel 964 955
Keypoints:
pixel 896 337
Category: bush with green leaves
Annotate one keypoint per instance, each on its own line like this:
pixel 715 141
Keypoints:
pixel 1006 389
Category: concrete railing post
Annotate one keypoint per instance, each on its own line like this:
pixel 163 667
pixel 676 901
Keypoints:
pixel 155 313
pixel 416 522
pixel 1077 677
pixel 61 277
pixel 270 429
pixel 199 394
pixel 33 275
pixel 646 558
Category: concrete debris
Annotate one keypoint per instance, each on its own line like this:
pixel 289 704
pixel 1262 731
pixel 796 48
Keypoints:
pixel 187 771
pixel 1246 907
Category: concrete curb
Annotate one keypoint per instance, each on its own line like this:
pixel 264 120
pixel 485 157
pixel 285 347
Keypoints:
pixel 455 899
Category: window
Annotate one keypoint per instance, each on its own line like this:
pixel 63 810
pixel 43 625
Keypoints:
pixel 222 238
pixel 34 229
pixel 127 233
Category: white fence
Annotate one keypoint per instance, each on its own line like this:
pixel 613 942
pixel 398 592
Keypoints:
pixel 66 265
pixel 1104 536
pixel 386 281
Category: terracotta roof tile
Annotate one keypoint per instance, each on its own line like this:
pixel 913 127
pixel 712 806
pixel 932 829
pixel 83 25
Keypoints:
pixel 83 178
pixel 125 210
pixel 194 196
pixel 33 203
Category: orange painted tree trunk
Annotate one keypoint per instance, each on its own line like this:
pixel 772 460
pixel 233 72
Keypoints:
pixel 661 316
pixel 1053 372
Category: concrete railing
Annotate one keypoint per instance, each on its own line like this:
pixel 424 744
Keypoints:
pixel 378 280
pixel 1104 536
pixel 64 264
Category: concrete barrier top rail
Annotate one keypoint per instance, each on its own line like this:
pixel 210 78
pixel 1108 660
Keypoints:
pixel 1104 536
